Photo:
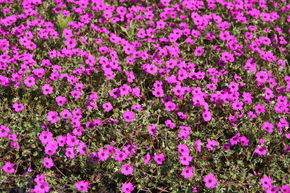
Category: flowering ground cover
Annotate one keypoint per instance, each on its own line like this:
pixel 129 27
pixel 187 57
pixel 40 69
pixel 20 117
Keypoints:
pixel 144 96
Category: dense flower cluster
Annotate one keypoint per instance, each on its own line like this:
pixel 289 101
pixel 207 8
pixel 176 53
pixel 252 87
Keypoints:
pixel 133 95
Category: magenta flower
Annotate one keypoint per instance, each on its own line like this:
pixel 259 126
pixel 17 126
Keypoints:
pixel 120 156
pixel 60 100
pixel 48 162
pixel 8 167
pixel 127 169
pixel 108 106
pixel 185 159
pixel 110 149
pixel 261 77
pixel 169 124
pixel 47 89
pixel 82 186
pixel 237 105
pixel 152 129
pixel 198 51
pixel 76 94
pixel 127 187
pixel 158 92
pixel 103 154
pixel 128 116
pixel 18 106
pixel 268 127
pixel 259 108
pixel 71 140
pixel 42 187
pixel 52 117
pixel 244 141
pixel 206 115
pixel 50 148
pixel 29 81
pixel 94 158
pixel 147 158
pixel 266 182
pixel 183 149
pixel 69 152
pixel 285 188
pixel 82 148
pixel 261 150
pixel 45 137
pixel 61 141
pixel 187 172
pixel 65 114
pixel 211 144
pixel 159 158
pixel 39 178
pixel 170 106
pixel 210 181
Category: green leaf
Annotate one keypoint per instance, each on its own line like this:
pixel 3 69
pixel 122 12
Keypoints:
pixel 63 21
pixel 124 29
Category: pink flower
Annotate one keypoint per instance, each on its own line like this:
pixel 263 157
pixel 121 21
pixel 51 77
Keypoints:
pixel 50 148
pixel 8 167
pixel 127 187
pixel 185 159
pixel 128 116
pixel 108 106
pixel 259 108
pixel 261 150
pixel 29 81
pixel 47 89
pixel 198 51
pixel 60 100
pixel 42 187
pixel 82 148
pixel 82 186
pixel 206 116
pixel 52 117
pixel 127 169
pixel 120 156
pixel 268 127
pixel 94 158
pixel 152 130
pixel 244 141
pixel 61 141
pixel 266 182
pixel 103 154
pixel 170 106
pixel 110 149
pixel 48 162
pixel 210 181
pixel 159 158
pixel 39 178
pixel 169 124
pixel 211 144
pixel 183 149
pixel 76 94
pixel 137 107
pixel 45 137
pixel 262 76
pixel 65 114
pixel 237 105
pixel 71 140
pixel 18 106
pixel 285 188
pixel 147 158
pixel 158 92
pixel 69 152
pixel 187 172
pixel 125 89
